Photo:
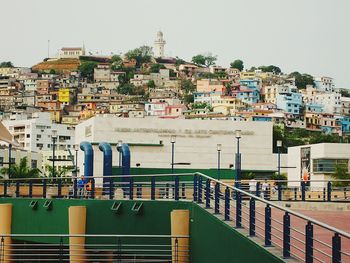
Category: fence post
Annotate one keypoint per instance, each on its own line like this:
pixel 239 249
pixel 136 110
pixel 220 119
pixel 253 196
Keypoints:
pixel 257 191
pixel 252 217
pixel 153 188
pixel 139 191
pixel 59 188
pixel 75 188
pixel 303 191
pixel 227 204
pixel 92 188
pixel 329 191
pixel 324 194
pixel 195 188
pixel 167 190
pixel 30 189
pixel 200 189
pixel 217 199
pixel 207 193
pixel 17 188
pixel 183 191
pixel 61 250
pixel 238 210
pixel 177 186
pixel 111 188
pixel 336 248
pixel 5 188
pixel 131 188
pixel 279 189
pixel 44 188
pixel 267 226
pixel 286 235
pixel 309 232
pixel 295 194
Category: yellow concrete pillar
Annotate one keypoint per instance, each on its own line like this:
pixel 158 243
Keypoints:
pixel 5 228
pixel 77 226
pixel 180 226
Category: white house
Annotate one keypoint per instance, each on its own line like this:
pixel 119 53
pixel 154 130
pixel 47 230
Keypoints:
pixel 71 52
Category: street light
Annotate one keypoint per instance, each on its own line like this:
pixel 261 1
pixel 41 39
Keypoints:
pixel 218 148
pixel 238 135
pixel 76 148
pixel 119 145
pixel 279 146
pixel 172 140
pixel 54 137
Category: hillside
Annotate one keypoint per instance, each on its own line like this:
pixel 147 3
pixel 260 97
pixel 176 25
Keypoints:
pixel 59 65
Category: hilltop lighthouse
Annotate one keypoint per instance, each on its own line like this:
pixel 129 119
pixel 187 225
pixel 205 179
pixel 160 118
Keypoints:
pixel 159 44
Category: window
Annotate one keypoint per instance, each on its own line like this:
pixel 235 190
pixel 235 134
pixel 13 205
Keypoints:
pixel 328 165
pixel 34 164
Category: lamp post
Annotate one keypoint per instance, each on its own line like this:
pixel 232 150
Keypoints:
pixel 119 145
pixel 238 159
pixel 279 146
pixel 54 137
pixel 76 148
pixel 10 150
pixel 218 148
pixel 172 140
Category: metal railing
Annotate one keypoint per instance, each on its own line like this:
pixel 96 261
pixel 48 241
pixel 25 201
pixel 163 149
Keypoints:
pixel 297 235
pixel 94 248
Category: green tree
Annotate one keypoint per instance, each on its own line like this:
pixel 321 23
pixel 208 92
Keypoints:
pixel 156 67
pixel 202 105
pixel 86 69
pixel 126 89
pixel 238 64
pixel 116 62
pixel 151 84
pixel 179 61
pixel 341 173
pixel 142 55
pixel 271 68
pixel 6 64
pixel 302 80
pixel 344 92
pixel 59 172
pixel 21 170
pixel 188 99
pixel 204 60
pixel 187 86
pixel 52 71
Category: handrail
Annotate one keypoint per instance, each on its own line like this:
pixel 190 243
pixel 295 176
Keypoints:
pixel 316 222
pixel 93 235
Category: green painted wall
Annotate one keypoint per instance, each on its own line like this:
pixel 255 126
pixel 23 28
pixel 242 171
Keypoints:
pixel 211 239
pixel 223 242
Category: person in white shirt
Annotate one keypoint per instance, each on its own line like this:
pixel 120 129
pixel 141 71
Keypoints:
pixel 264 189
pixel 252 186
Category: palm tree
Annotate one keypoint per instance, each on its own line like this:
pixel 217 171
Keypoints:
pixel 21 170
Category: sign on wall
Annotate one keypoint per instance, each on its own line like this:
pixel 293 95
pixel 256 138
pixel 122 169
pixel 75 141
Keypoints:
pixel 305 161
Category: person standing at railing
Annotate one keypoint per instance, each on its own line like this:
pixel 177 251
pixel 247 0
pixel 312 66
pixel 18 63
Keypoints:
pixel 81 186
pixel 89 188
pixel 252 186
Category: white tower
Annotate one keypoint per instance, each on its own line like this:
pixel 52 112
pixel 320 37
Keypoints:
pixel 159 44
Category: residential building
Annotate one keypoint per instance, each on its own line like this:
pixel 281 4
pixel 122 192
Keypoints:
pixel 210 85
pixel 33 132
pixel 155 108
pixel 330 102
pixel 345 106
pixel 102 72
pixel 227 105
pixel 324 84
pixel 66 96
pixel 290 101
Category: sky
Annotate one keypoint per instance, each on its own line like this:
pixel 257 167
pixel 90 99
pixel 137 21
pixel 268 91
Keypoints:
pixel 309 36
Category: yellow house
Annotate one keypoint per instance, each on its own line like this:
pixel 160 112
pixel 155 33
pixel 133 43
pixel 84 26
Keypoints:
pixel 65 96
pixel 227 105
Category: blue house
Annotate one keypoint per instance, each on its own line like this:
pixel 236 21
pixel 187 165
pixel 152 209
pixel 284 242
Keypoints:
pixel 290 101
pixel 314 107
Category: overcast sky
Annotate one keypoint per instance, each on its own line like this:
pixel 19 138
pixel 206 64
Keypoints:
pixel 311 36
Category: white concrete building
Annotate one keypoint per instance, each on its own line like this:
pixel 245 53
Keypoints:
pixel 325 84
pixel 155 108
pixel 159 45
pixel 29 84
pixel 196 142
pixel 71 52
pixel 33 132
pixel 63 161
pixel 319 160
pixel 330 101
